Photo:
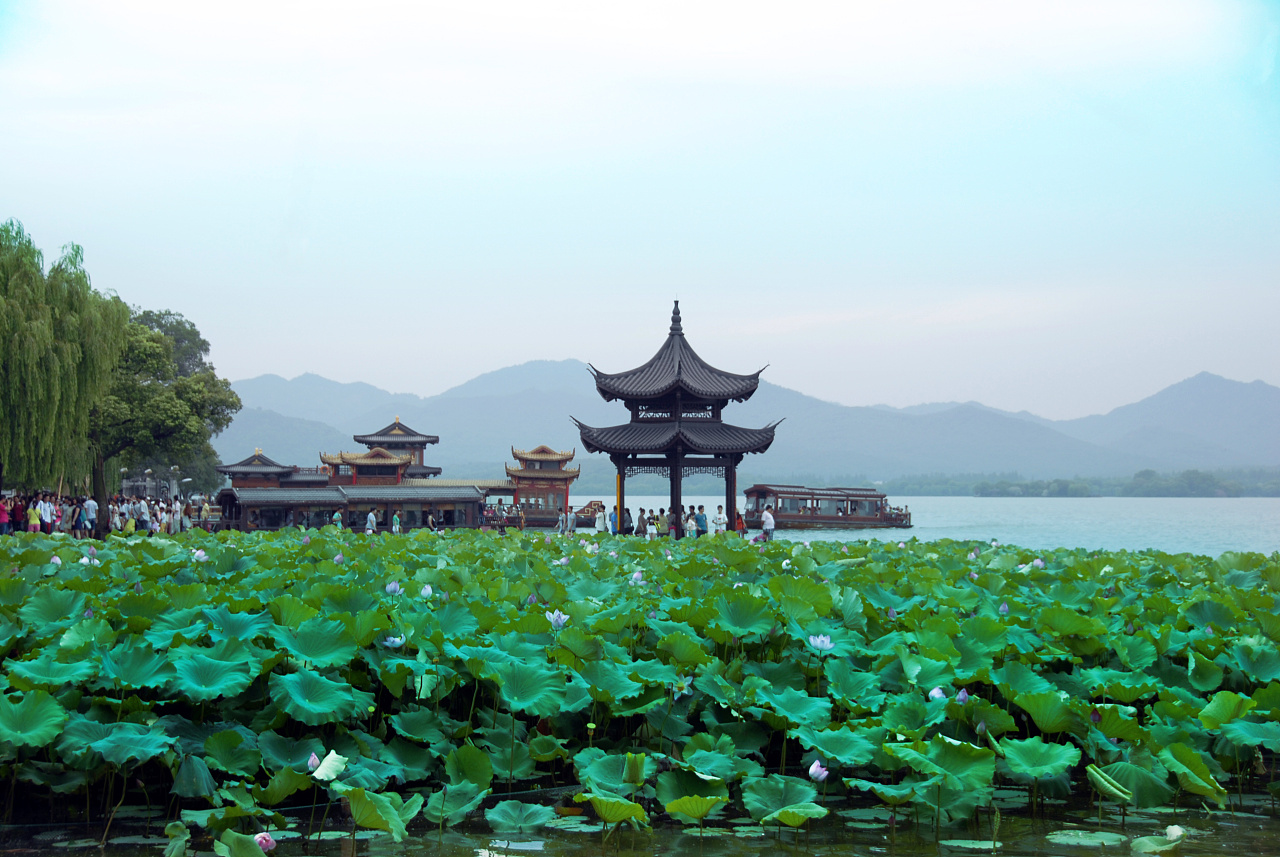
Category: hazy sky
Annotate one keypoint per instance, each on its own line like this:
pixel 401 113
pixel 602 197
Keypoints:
pixel 1061 207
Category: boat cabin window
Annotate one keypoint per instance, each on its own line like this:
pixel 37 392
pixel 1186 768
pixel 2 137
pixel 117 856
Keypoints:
pixel 788 504
pixel 827 507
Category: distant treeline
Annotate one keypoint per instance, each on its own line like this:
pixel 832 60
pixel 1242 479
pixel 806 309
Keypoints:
pixel 1240 482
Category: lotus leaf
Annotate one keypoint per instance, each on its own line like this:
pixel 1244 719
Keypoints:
pixel 1144 787
pixel 228 751
pixel 387 811
pixel 846 746
pixel 795 815
pixel 1033 759
pixel 313 699
pixel 51 611
pixel 614 810
pixel 1192 772
pixel 33 720
pixel 1225 707
pixel 452 803
pixel 696 807
pixel 320 643
pixel 469 764
pixel 1050 713
pixel 132 742
pixel 134 665
pixel 512 816
pixel 48 672
pixel 530 688
pixel 194 780
pixel 232 844
pixel 204 679
pixel 769 794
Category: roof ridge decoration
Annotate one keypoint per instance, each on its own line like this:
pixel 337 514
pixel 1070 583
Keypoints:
pixel 396 432
pixel 676 365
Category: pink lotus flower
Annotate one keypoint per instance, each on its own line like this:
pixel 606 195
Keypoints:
pixel 637 578
pixel 313 762
pixel 200 555
pixel 557 619
pixel 963 696
pixel 393 642
pixel 394 588
pixel 817 773
pixel 88 614
pixel 902 544
pixel 55 559
pixel 1004 608
pixel 893 614
pixel 973 575
pixel 532 599
pixel 264 840
pixel 137 587
pixel 427 591
pixel 93 551
pixel 1038 562
pixel 937 693
pixel 338 559
pixel 306 540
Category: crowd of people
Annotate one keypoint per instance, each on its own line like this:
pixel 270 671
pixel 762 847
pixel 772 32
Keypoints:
pixel 77 516
pixel 656 523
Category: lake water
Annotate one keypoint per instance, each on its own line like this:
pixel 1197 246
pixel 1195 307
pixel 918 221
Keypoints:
pixel 1172 524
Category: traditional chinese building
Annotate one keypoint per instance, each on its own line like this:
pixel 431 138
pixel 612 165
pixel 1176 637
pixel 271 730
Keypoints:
pixel 542 479
pixel 676 401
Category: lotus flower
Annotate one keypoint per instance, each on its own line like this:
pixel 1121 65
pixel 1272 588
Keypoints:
pixel 264 840
pixel 1129 628
pixel 306 540
pixel 963 696
pixel 531 600
pixel 715 560
pixel 682 687
pixel 821 642
pixel 1174 832
pixel 548 540
pixel 613 554
pixel 761 551
pixel 55 559
pixel 973 575
pixel 394 588
pixel 736 585
pixel 427 591
pixel 338 559
pixel 893 614
pixel 994 543
pixel 200 555
pixel 844 549
pixel 88 614
pixel 1095 716
pixel 93 551
pixel 653 614
pixel 786 563
pixel 557 619
pixel 1038 562
pixel 817 773
pixel 937 693
pixel 982 727
pixel 637 578
pixel 313 762
pixel 84 560
pixel 564 560
pixel 1004 608
pixel 394 642
pixel 902 544
pixel 137 587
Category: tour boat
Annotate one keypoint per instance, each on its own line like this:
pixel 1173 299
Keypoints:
pixel 796 507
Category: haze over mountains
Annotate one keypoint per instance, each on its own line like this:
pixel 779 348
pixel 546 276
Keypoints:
pixel 1204 422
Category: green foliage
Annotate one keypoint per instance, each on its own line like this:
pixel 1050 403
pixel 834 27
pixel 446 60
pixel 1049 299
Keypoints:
pixel 1135 675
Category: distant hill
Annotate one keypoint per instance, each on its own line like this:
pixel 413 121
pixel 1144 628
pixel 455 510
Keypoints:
pixel 1204 422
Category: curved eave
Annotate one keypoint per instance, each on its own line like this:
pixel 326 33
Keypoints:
pixel 675 366
pixel 640 438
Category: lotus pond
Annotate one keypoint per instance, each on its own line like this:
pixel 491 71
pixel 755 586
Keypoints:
pixel 532 690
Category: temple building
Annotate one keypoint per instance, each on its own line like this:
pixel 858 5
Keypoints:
pixel 542 479
pixel 676 401
pixel 388 478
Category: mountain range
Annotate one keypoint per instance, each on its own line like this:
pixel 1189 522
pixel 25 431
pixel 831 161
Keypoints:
pixel 1204 422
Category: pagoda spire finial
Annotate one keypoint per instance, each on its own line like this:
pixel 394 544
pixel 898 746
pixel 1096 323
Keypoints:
pixel 676 329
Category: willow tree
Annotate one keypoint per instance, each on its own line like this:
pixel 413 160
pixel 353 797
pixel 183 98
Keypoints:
pixel 59 341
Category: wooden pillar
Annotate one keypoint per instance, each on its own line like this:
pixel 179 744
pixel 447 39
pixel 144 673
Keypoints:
pixel 677 501
pixel 731 493
pixel 622 489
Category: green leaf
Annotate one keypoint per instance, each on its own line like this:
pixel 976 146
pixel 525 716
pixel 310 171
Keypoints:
pixel 766 795
pixel 1033 759
pixel 52 610
pixel 795 815
pixel 232 844
pixel 512 816
pixel 1225 707
pixel 134 665
pixel 132 742
pixel 1147 789
pixel 1050 713
pixel 452 803
pixel 194 780
pixel 203 679
pixel 34 720
pixel 531 689
pixel 962 766
pixel 1192 773
pixel 1108 786
pixel 179 838
pixel 696 807
pixel 613 809
pixel 842 744
pixel 48 672
pixel 1250 734
pixel 469 763
pixel 386 811
pixel 330 767
pixel 1203 673
pixel 741 614
pixel 320 642
pixel 313 699
pixel 228 751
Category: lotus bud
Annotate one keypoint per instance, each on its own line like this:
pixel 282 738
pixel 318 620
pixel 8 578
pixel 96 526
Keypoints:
pixel 633 770
pixel 982 727
pixel 893 614
pixel 55 559
pixel 844 549
pixel 88 614
pixel 137 587
pixel 548 540
pixel 761 551
pixel 394 588
pixel 338 559
pixel 613 554
pixel 973 575
pixel 264 840
pixel 306 540
pixel 937 693
pixel 994 543
pixel 93 551
pixel 313 762
pixel 963 696
pixel 902 544
pixel 1129 628
pixel 591 727
pixel 817 773
pixel 1095 716
pixel 715 561
pixel 1004 608
pixel 532 599
pixel 1174 832
pixel 653 614
pixel 394 642
pixel 427 591
pixel 557 619
pixel 1038 562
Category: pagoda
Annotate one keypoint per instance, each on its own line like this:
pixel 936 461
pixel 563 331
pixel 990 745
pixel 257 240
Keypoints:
pixel 676 401
pixel 394 453
pixel 542 480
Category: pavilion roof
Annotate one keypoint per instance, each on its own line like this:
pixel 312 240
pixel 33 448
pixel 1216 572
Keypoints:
pixel 395 433
pixel 542 453
pixel 676 365
pixel 255 465
pixel 377 455
pixel 421 471
pixel 709 438
pixel 569 473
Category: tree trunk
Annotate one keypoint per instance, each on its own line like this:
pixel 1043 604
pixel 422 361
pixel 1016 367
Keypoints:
pixel 1 476
pixel 100 495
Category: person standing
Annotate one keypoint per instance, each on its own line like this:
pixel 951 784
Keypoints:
pixel 91 515
pixel 47 514
pixel 4 517
pixel 720 522
pixel 740 524
pixel 601 526
pixel 336 519
pixel 664 526
pixel 628 525
pixel 370 523
pixel 642 524
pixel 766 523
pixel 613 522
pixel 561 523
pixel 395 522
pixel 570 521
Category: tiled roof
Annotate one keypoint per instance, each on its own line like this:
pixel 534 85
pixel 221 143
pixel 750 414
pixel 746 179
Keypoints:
pixel 421 471
pixel 676 365
pixel 397 432
pixel 377 455
pixel 255 465
pixel 308 478
pixel 542 453
pixel 404 493
pixel 711 438
pixel 566 473
pixel 342 495
pixel 288 496
pixel 821 493
pixel 482 484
